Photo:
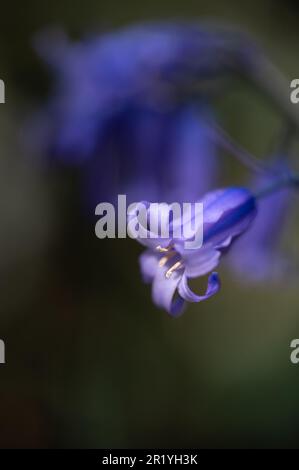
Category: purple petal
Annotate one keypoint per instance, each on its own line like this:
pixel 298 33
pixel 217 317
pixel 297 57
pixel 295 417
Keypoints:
pixel 200 262
pixel 149 235
pixel 212 288
pixel 227 213
pixel 149 263
pixel 217 203
pixel 163 291
pixel 141 146
pixel 193 164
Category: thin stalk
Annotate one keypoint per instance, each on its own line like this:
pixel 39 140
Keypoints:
pixel 287 180
pixel 245 157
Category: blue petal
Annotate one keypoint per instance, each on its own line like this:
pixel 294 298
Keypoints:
pixel 149 263
pixel 257 255
pixel 200 262
pixel 163 291
pixel 212 288
pixel 149 226
pixel 227 212
pixel 192 163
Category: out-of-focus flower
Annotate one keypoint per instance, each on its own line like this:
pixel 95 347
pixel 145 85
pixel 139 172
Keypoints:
pixel 168 264
pixel 121 107
pixel 154 156
pixel 257 255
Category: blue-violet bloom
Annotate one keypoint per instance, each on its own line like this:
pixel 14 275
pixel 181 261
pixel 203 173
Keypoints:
pixel 167 264
pixel 123 107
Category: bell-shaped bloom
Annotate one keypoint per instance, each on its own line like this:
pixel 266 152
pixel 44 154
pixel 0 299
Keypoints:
pixel 168 263
pixel 122 107
pixel 153 155
pixel 98 79
pixel 258 255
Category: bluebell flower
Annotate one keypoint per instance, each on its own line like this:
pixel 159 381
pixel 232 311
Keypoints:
pixel 258 254
pixel 154 155
pixel 168 264
pixel 122 107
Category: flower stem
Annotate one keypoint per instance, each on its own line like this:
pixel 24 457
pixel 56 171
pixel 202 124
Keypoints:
pixel 245 157
pixel 287 180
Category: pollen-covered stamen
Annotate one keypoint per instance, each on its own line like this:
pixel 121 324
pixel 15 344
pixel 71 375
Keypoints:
pixel 166 258
pixel 175 267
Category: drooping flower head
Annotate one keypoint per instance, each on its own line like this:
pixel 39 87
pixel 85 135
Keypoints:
pixel 168 264
pixel 123 107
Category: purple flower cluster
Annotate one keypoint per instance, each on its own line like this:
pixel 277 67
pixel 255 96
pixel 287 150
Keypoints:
pixel 123 107
pixel 227 213
pixel 133 111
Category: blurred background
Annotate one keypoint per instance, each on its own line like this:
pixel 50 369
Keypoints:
pixel 91 362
